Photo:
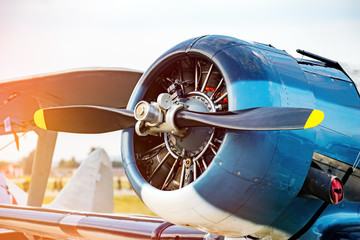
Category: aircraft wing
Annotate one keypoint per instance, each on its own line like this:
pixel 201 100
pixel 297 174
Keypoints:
pixel 20 98
pixel 57 224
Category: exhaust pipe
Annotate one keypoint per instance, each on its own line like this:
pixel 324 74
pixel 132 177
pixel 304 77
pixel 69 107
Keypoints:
pixel 322 185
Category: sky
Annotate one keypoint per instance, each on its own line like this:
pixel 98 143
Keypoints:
pixel 43 36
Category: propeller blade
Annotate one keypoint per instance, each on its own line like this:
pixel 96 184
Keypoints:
pixel 263 118
pixel 84 119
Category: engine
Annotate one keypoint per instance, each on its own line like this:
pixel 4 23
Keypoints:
pixel 170 161
pixel 232 183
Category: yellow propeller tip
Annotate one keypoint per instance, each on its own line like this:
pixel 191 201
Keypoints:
pixel 40 119
pixel 314 119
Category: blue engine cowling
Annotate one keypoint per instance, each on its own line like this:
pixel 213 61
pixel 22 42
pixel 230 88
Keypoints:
pixel 252 182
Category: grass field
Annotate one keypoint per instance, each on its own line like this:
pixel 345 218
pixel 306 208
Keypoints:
pixel 130 204
pixel 122 204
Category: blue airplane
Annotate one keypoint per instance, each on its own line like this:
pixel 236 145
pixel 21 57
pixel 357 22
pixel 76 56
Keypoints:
pixel 236 139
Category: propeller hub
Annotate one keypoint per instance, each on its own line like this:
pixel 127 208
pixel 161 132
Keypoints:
pixel 140 111
pixel 149 113
pixel 193 142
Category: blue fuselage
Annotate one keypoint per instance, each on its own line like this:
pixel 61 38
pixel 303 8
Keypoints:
pixel 256 176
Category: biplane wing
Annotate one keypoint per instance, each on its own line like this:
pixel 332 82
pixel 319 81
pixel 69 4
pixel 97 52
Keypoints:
pixel 20 98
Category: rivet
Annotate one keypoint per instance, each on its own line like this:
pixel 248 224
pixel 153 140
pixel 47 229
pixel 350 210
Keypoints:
pixel 220 163
pixel 238 173
pixel 269 183
pixel 256 179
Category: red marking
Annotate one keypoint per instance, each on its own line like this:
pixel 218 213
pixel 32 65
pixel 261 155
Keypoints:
pixel 76 230
pixel 210 89
pixel 336 190
pixel 14 200
pixel 16 139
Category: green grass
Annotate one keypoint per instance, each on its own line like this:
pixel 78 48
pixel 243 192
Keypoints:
pixel 50 184
pixel 130 204
pixel 48 199
pixel 122 204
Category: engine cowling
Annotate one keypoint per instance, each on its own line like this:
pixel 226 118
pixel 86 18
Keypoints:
pixel 232 183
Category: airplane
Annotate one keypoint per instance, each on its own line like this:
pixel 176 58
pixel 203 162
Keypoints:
pixel 233 139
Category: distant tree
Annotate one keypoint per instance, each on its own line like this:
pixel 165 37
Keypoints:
pixel 72 163
pixel 117 164
pixel 62 164
pixel 27 162
pixel 3 164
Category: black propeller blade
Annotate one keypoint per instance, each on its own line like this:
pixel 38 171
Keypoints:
pixel 94 119
pixel 263 118
pixel 84 119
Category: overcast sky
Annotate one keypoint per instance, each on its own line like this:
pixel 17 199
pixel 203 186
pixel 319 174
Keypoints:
pixel 44 36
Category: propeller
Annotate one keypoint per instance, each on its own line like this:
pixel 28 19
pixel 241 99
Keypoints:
pixel 95 119
pixel 262 118
pixel 84 119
